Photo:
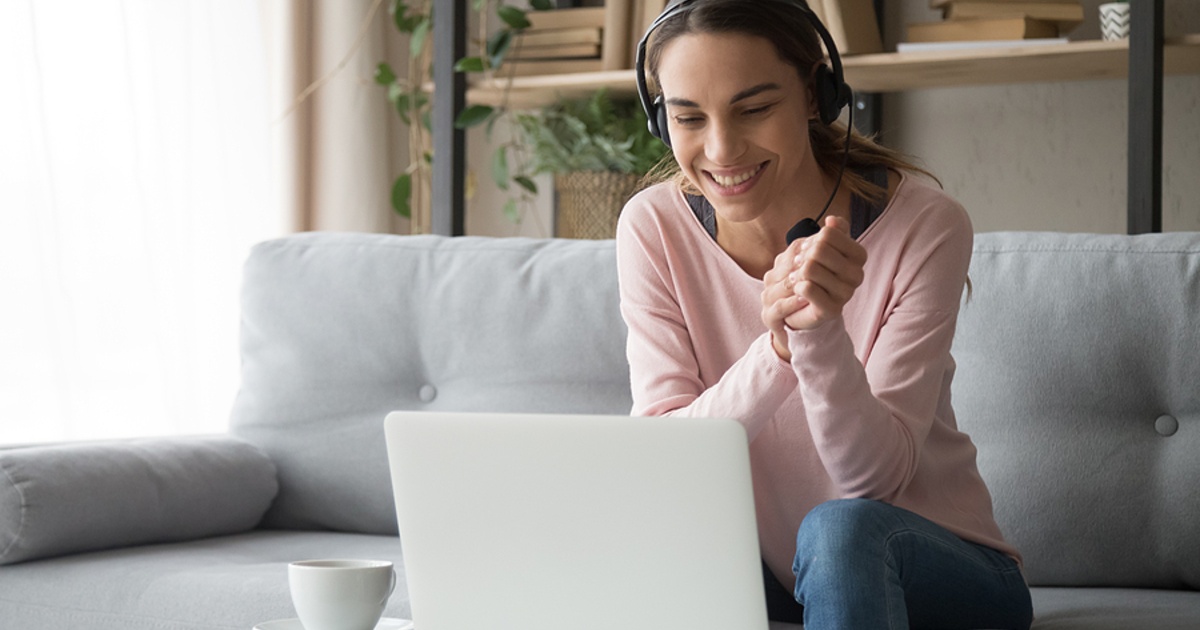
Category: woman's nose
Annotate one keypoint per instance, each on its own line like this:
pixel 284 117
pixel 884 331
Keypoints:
pixel 724 143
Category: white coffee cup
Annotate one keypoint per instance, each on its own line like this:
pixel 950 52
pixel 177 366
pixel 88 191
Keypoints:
pixel 340 594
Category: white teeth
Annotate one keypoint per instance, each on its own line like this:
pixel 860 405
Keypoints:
pixel 726 182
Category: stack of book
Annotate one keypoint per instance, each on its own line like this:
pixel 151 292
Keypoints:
pixel 851 23
pixel 559 41
pixel 998 21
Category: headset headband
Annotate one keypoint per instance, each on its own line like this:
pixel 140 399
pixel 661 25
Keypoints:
pixel 673 10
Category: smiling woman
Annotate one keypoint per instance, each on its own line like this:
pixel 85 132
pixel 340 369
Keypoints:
pixel 831 348
pixel 134 169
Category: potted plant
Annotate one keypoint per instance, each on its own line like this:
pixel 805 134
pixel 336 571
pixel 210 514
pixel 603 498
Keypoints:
pixel 408 90
pixel 598 150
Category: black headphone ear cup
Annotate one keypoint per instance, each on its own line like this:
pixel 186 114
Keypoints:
pixel 827 94
pixel 660 122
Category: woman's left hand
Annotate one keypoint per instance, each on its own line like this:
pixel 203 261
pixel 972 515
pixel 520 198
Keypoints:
pixel 826 271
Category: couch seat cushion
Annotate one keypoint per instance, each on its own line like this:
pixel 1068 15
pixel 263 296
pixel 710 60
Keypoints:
pixel 1115 609
pixel 229 582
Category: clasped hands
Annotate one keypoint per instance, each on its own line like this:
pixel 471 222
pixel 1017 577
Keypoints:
pixel 811 281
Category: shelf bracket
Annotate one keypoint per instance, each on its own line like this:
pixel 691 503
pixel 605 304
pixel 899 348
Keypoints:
pixel 1145 116
pixel 448 192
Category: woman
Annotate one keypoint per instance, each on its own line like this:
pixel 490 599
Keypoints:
pixel 833 351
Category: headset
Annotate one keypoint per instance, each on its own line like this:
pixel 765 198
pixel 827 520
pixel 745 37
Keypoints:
pixel 830 91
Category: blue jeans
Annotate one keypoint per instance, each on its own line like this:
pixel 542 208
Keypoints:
pixel 863 564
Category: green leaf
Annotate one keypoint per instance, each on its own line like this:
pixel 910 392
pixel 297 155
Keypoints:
pixel 500 168
pixel 404 23
pixel 478 4
pixel 510 211
pixel 469 64
pixel 384 74
pixel 403 108
pixel 417 43
pixel 526 183
pixel 498 45
pixel 472 116
pixel 402 196
pixel 395 91
pixel 513 17
pixel 541 5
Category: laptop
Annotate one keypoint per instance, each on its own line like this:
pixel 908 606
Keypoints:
pixel 575 522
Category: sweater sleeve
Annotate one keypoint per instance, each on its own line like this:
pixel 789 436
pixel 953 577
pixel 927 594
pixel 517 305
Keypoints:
pixel 869 418
pixel 665 373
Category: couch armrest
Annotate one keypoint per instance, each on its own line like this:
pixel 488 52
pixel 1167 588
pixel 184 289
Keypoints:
pixel 68 498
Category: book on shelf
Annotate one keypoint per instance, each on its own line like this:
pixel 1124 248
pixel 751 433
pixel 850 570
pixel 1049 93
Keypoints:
pixel 941 4
pixel 851 23
pixel 530 38
pixel 970 45
pixel 539 67
pixel 559 51
pixel 583 17
pixel 1066 15
pixel 606 28
pixel 615 49
pixel 1015 27
pixel 644 14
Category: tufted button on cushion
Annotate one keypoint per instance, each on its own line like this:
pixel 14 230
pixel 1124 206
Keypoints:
pixel 1166 425
pixel 428 393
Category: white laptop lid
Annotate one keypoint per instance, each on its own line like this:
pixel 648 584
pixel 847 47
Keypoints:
pixel 567 522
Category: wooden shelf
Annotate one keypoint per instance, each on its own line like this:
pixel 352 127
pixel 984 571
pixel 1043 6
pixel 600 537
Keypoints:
pixel 894 72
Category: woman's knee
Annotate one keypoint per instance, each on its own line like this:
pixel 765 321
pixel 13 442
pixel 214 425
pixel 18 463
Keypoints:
pixel 841 524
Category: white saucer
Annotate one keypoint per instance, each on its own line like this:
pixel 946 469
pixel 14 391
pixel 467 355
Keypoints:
pixel 386 623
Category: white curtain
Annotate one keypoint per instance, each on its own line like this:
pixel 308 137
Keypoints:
pixel 134 177
pixel 338 144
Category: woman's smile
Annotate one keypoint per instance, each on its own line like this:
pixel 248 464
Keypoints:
pixel 730 183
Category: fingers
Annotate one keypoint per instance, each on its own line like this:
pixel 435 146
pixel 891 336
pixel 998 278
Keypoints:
pixel 814 273
pixel 831 258
pixel 813 279
pixel 828 268
pixel 836 235
pixel 779 299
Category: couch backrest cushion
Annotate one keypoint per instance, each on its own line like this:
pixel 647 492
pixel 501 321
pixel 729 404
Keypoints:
pixel 340 329
pixel 1079 380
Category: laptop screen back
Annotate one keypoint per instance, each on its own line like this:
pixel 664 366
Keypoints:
pixel 557 522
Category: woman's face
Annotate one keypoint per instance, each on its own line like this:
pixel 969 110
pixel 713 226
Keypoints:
pixel 738 119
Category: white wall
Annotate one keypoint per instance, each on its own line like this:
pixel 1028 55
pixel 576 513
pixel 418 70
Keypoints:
pixel 1048 156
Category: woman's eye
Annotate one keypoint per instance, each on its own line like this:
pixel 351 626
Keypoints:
pixel 687 120
pixel 753 111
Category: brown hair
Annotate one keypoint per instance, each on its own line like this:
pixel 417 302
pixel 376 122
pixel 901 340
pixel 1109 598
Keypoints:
pixel 797 43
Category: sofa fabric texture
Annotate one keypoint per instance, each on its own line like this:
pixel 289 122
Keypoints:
pixel 62 499
pixel 1070 350
pixel 1077 379
pixel 340 329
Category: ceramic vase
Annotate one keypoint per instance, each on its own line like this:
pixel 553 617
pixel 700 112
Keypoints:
pixel 1114 20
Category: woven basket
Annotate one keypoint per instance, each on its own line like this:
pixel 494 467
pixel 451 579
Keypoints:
pixel 590 201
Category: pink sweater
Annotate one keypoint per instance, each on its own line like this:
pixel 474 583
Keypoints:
pixel 863 410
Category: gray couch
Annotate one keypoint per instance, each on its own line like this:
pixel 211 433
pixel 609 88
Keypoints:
pixel 1079 379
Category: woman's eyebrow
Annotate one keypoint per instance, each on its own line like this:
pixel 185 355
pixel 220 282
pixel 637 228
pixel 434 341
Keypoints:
pixel 754 91
pixel 744 94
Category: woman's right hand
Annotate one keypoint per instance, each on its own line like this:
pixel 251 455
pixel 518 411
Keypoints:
pixel 779 299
